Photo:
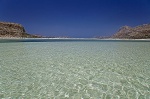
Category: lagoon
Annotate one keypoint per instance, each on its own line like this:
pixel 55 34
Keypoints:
pixel 74 69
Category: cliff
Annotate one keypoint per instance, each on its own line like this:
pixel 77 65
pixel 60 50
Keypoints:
pixel 13 30
pixel 138 32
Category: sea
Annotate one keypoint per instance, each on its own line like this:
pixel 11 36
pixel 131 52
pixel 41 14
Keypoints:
pixel 74 69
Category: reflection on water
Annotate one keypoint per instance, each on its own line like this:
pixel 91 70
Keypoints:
pixel 75 70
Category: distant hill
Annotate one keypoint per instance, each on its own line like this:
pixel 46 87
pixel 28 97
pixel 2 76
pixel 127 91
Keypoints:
pixel 138 32
pixel 8 29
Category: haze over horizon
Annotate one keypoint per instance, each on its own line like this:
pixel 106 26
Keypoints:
pixel 75 18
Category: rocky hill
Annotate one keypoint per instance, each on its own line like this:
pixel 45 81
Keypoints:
pixel 14 30
pixel 138 32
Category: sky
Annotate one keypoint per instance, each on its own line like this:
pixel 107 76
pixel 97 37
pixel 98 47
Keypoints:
pixel 75 18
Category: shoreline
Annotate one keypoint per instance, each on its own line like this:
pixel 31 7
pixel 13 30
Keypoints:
pixel 20 38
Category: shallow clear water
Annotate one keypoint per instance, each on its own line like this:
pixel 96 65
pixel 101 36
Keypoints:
pixel 75 70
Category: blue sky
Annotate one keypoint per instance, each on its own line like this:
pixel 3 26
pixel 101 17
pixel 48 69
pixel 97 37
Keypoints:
pixel 75 18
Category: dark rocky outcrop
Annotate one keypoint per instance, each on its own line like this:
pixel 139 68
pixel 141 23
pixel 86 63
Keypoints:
pixel 139 32
pixel 14 30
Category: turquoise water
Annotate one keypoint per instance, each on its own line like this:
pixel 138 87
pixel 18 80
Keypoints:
pixel 74 69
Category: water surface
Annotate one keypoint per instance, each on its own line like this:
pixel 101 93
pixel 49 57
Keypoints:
pixel 74 69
